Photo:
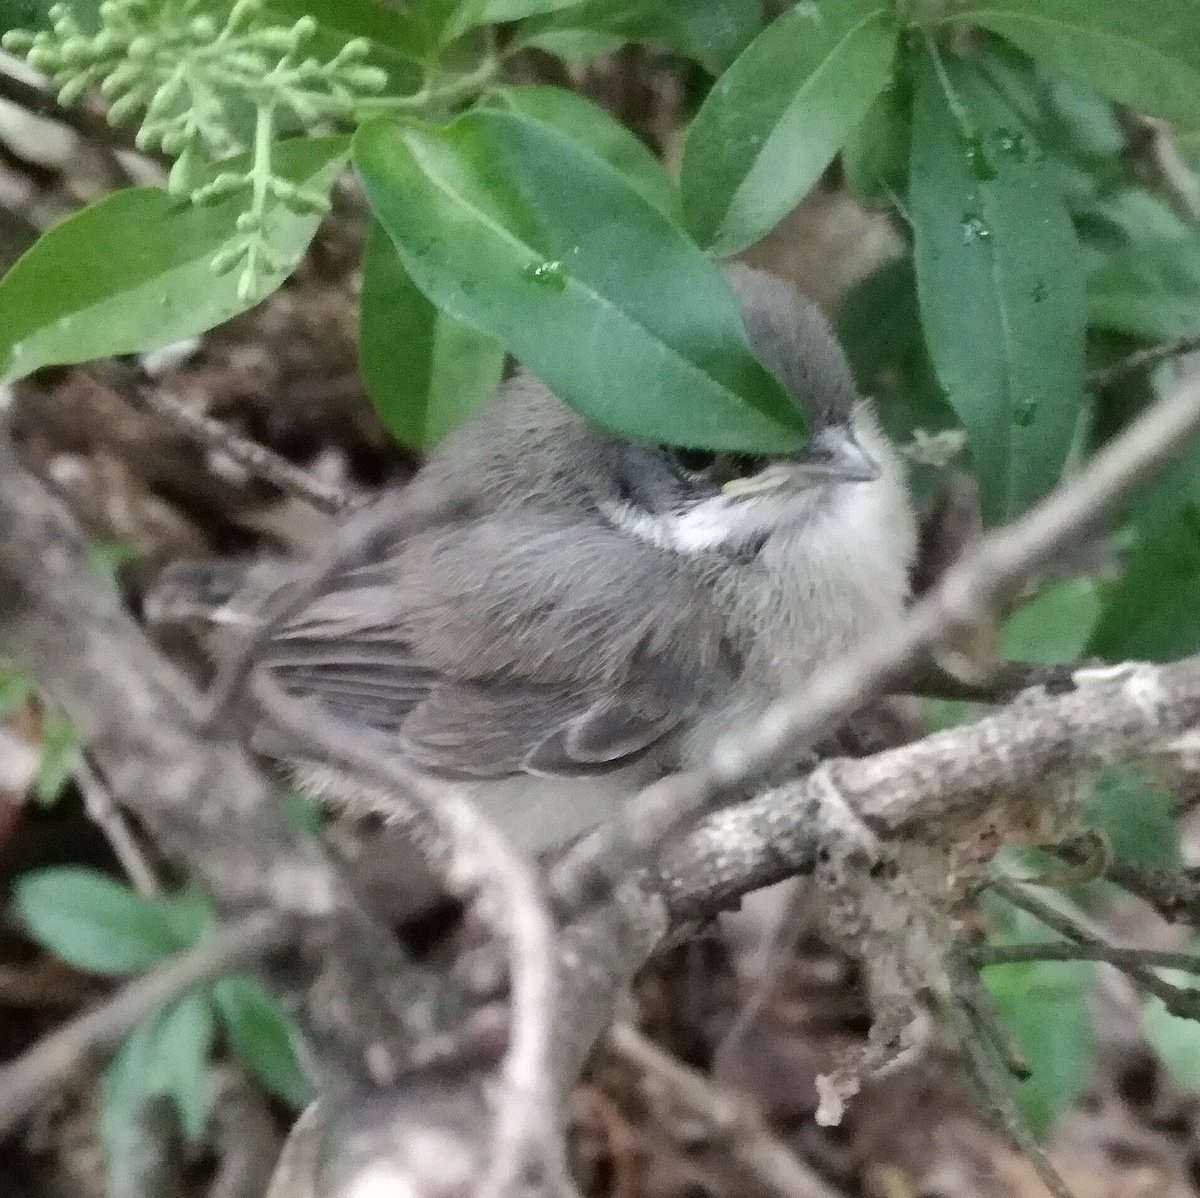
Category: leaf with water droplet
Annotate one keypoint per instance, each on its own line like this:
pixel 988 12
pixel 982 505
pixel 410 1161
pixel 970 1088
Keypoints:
pixel 974 228
pixel 424 371
pixel 628 320
pixel 983 248
pixel 977 156
pixel 545 274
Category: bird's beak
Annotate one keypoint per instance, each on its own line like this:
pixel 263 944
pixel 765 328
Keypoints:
pixel 834 454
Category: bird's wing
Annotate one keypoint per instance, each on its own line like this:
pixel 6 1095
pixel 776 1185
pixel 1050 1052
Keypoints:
pixel 522 642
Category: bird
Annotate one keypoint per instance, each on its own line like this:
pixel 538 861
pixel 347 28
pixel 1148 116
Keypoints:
pixel 594 612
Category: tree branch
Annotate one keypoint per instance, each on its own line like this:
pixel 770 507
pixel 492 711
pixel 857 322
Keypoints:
pixel 967 593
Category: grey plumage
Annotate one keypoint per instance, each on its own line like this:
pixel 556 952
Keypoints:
pixel 600 608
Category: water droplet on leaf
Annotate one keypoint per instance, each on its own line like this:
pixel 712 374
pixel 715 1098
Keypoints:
pixel 977 157
pixel 1013 143
pixel 974 228
pixel 1039 292
pixel 546 274
pixel 1025 412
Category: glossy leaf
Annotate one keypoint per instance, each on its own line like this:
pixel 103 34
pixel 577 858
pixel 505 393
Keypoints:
pixel 138 266
pixel 424 371
pixel 261 1037
pixel 571 114
pixel 1145 57
pixel 1000 284
pixel 513 227
pixel 95 923
pixel 773 122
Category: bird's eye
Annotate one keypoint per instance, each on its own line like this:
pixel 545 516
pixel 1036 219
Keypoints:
pixel 745 465
pixel 694 461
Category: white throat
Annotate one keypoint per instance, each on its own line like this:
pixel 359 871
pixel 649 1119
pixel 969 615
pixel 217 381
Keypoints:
pixel 714 523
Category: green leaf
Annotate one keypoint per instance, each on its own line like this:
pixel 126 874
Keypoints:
pixel 875 155
pixel 513 227
pixel 711 32
pixel 60 743
pixel 1145 57
pixel 95 923
pixel 166 1056
pixel 1055 626
pixel 424 371
pixel 1143 265
pixel 485 11
pixel 1149 612
pixel 1136 817
pixel 773 122
pixel 608 139
pixel 138 262
pixel 16 689
pixel 1000 283
pixel 879 325
pixel 1045 1006
pixel 262 1038
pixel 1175 1040
pixel 575 45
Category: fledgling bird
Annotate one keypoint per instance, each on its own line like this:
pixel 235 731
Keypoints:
pixel 602 610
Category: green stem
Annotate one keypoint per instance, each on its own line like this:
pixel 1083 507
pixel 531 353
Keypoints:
pixel 464 87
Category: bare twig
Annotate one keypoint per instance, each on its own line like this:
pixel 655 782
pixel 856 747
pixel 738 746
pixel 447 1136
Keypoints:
pixel 1181 1002
pixel 1151 146
pixel 477 857
pixel 1072 950
pixel 104 813
pixel 252 455
pixel 58 1055
pixel 1106 376
pixel 140 721
pixel 993 1093
pixel 731 1118
pixel 966 594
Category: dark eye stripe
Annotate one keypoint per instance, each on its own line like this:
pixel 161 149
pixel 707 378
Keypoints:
pixel 695 461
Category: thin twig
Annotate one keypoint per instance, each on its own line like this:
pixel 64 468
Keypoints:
pixel 993 1093
pixel 967 593
pixel 732 1119
pixel 985 955
pixel 1184 1003
pixel 253 455
pixel 58 1055
pixel 103 811
pixel 1106 376
pixel 474 853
